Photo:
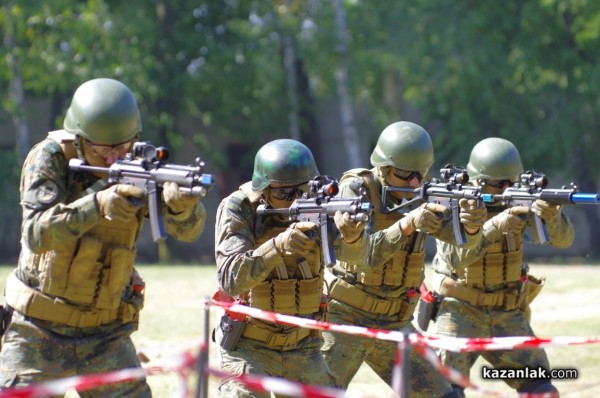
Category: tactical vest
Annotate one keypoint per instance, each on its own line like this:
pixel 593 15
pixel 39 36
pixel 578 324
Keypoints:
pixel 494 281
pixel 406 267
pixel 295 288
pixel 81 282
pixel 500 265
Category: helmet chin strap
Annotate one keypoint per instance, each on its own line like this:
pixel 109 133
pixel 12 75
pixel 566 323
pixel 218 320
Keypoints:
pixel 382 171
pixel 78 147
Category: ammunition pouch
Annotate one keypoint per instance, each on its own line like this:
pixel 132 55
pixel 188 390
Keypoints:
pixel 35 304
pixel 507 299
pixel 353 296
pixel 427 311
pixel 232 331
pixel 534 287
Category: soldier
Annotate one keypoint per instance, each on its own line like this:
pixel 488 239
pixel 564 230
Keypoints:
pixel 279 269
pixel 485 288
pixel 75 293
pixel 384 294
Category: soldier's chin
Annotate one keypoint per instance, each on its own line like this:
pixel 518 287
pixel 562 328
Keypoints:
pixel 111 158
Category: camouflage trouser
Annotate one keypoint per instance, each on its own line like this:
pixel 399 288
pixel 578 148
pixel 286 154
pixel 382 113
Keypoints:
pixel 31 354
pixel 459 319
pixel 303 364
pixel 345 353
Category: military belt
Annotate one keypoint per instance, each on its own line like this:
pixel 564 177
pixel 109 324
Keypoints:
pixel 353 296
pixel 283 341
pixel 35 304
pixel 508 299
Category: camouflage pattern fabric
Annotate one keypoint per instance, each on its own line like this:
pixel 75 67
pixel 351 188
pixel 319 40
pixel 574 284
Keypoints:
pixel 348 352
pixel 459 319
pixel 242 265
pixel 58 208
pixel 303 364
pixel 31 353
pixel 344 354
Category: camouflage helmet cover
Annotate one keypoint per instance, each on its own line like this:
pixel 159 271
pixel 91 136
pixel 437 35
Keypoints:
pixel 404 145
pixel 103 111
pixel 495 159
pixel 283 161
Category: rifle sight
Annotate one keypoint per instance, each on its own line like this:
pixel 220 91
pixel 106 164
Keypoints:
pixel 149 153
pixel 533 179
pixel 454 174
pixel 321 187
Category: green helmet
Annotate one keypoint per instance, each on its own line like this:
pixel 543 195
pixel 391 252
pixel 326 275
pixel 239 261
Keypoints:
pixel 495 159
pixel 405 146
pixel 103 111
pixel 283 161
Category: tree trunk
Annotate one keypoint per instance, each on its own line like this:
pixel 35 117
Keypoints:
pixel 16 94
pixel 289 65
pixel 309 126
pixel 349 131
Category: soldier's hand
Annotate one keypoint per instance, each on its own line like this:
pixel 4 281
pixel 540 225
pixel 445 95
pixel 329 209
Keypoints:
pixel 178 201
pixel 294 240
pixel 472 216
pixel 425 218
pixel 114 202
pixel 511 220
pixel 349 230
pixel 545 210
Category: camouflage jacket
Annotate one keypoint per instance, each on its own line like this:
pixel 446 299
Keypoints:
pixel 56 207
pixel 242 263
pixel 385 243
pixel 452 260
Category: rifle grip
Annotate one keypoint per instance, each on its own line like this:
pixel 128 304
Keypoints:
pixel 541 229
pixel 327 243
pixel 459 229
pixel 156 221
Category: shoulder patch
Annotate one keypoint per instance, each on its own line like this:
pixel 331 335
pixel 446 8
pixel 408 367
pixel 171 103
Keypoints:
pixel 47 192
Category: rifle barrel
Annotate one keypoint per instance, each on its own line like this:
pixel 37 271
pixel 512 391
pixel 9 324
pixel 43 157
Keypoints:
pixel 586 198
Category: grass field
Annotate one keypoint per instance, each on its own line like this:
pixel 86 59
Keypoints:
pixel 173 315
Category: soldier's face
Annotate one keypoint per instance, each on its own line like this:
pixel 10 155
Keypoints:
pixel 494 187
pixel 281 195
pixel 403 179
pixel 105 155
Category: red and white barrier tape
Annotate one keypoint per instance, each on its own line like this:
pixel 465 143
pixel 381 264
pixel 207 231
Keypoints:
pixel 184 362
pixel 454 376
pixel 423 344
pixel 463 344
pixel 80 383
pixel 454 344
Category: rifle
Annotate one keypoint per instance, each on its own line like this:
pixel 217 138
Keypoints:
pixel 319 205
pixel 532 186
pixel 446 191
pixel 146 167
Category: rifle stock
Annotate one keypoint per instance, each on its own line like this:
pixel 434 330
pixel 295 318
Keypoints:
pixel 145 167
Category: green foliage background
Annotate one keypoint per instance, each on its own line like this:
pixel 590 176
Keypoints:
pixel 466 70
